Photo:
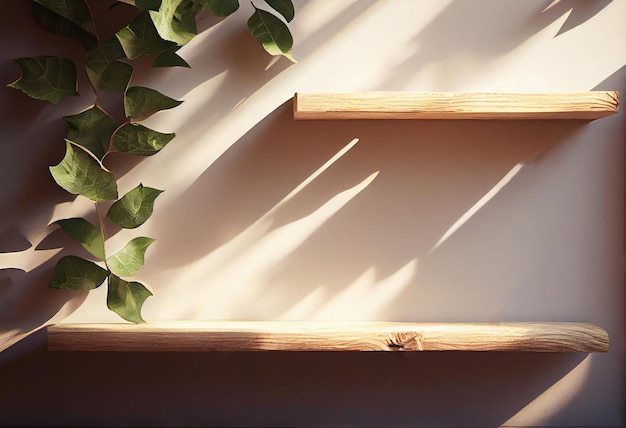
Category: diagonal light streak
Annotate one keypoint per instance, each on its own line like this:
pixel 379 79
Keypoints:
pixel 478 205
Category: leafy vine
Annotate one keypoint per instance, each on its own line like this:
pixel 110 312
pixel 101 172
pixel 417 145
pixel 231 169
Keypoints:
pixel 159 29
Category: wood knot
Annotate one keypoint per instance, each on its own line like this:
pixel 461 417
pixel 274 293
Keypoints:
pixel 405 341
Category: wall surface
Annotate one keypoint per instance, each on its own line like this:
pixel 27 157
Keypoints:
pixel 267 218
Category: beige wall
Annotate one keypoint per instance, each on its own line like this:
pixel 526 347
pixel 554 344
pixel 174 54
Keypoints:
pixel 267 218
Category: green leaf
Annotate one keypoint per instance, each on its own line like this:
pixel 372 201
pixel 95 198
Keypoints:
pixel 76 273
pixel 49 78
pixel 271 32
pixel 129 260
pixel 134 208
pixel 140 101
pixel 176 21
pixel 80 173
pixel 141 37
pixel 148 4
pixel 85 233
pixel 91 129
pixel 75 11
pixel 139 140
pixel 103 68
pixel 220 7
pixel 127 298
pixel 169 58
pixel 56 24
pixel 284 7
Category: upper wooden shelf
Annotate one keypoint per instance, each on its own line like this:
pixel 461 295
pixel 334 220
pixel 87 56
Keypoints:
pixel 205 336
pixel 455 105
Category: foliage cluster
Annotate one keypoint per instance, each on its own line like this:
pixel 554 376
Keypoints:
pixel 158 30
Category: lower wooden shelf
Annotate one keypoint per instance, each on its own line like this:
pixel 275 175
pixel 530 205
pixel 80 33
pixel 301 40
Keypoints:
pixel 205 336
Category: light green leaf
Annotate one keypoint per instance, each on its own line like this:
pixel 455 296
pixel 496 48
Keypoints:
pixel 139 140
pixel 91 129
pixel 134 208
pixel 176 21
pixel 85 233
pixel 140 37
pixel 56 24
pixel 75 11
pixel 169 58
pixel 103 68
pixel 284 7
pixel 220 7
pixel 49 78
pixel 80 173
pixel 271 32
pixel 129 260
pixel 76 273
pixel 140 101
pixel 127 298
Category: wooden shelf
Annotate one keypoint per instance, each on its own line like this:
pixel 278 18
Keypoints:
pixel 206 336
pixel 455 105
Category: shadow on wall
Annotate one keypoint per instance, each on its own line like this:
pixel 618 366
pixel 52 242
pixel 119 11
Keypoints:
pixel 275 212
pixel 449 42
pixel 274 389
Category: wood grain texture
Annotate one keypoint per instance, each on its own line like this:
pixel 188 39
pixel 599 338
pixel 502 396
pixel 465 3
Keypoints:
pixel 203 336
pixel 455 105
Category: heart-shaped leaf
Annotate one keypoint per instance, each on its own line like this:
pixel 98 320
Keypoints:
pixel 80 173
pixel 49 78
pixel 141 37
pixel 220 7
pixel 103 68
pixel 134 208
pixel 130 259
pixel 85 233
pixel 271 32
pixel 176 21
pixel 284 7
pixel 139 140
pixel 140 101
pixel 75 11
pixel 76 273
pixel 127 298
pixel 91 129
pixel 57 24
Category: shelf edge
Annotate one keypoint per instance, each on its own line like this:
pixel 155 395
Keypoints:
pixel 206 336
pixel 455 105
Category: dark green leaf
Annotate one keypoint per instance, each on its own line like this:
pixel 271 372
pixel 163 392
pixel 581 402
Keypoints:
pixel 176 21
pixel 220 7
pixel 49 78
pixel 91 129
pixel 129 260
pixel 271 32
pixel 169 58
pixel 284 7
pixel 76 273
pixel 134 208
pixel 127 298
pixel 114 77
pixel 103 68
pixel 75 11
pixel 140 101
pixel 139 140
pixel 56 24
pixel 146 4
pixel 80 173
pixel 86 234
pixel 140 37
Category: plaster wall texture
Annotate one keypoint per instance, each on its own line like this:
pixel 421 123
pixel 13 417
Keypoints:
pixel 267 218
